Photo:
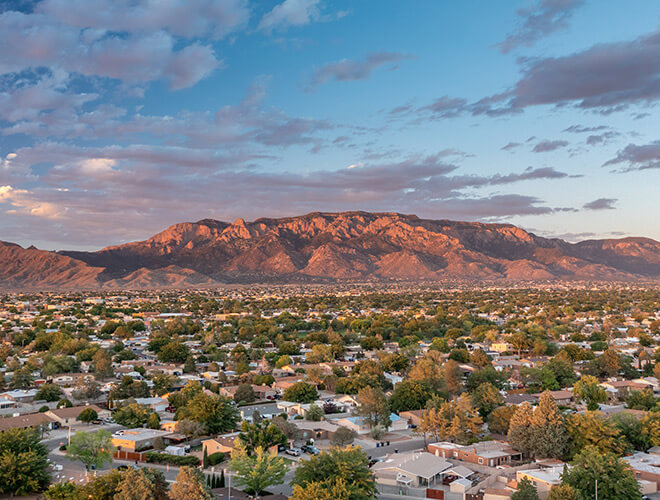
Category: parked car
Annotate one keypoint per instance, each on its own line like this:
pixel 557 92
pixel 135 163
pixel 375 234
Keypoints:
pixel 295 452
pixel 312 450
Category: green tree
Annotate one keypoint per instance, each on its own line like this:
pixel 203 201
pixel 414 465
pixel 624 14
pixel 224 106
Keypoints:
pixel 410 395
pixel 588 390
pixel 498 420
pixel 215 413
pixel 632 430
pixel 343 436
pixel 486 398
pixel 64 403
pixel 132 414
pixel 245 394
pixel 163 383
pixel 615 478
pixel 549 432
pixel 153 422
pixel 61 491
pixel 189 366
pixel 87 415
pixel 651 428
pixel 315 413
pixel 525 491
pixel 190 484
pixel 564 492
pixel 641 400
pixel 48 392
pixel 23 462
pixel 22 378
pixel 91 448
pixel 173 352
pixel 262 434
pixel 373 407
pixel 301 392
pixel 258 471
pixel 349 466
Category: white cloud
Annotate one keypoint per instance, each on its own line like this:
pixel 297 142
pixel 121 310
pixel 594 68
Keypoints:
pixel 291 13
pixel 24 203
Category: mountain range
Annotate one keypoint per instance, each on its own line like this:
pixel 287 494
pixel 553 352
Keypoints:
pixel 329 247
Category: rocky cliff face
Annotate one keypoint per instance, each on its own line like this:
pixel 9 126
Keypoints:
pixel 338 246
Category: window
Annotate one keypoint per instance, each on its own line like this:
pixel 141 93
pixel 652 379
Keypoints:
pixel 481 460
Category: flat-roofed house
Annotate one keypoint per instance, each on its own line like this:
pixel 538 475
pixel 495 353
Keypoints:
pixel 489 453
pixel 415 469
pixel 359 425
pixel 542 479
pixel 137 439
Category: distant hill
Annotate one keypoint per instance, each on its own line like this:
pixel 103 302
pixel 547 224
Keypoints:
pixel 326 247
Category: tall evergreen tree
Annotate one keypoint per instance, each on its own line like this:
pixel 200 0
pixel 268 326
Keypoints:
pixel 549 433
pixel 520 431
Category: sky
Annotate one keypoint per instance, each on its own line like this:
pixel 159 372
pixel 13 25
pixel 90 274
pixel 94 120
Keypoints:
pixel 119 118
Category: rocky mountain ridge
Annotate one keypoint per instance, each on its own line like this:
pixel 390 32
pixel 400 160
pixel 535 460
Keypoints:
pixel 327 247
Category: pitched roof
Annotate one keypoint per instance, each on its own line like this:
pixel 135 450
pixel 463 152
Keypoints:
pixel 22 421
pixel 72 411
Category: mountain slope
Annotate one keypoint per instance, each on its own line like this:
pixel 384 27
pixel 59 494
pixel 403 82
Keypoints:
pixel 361 245
pixel 29 268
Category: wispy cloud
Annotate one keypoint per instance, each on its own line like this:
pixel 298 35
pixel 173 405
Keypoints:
pixel 544 18
pixel 601 204
pixel 352 70
pixel 638 157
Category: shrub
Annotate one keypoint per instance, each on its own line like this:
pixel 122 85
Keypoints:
pixel 164 458
pixel 216 458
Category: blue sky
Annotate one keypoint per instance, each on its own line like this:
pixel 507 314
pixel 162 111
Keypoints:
pixel 119 118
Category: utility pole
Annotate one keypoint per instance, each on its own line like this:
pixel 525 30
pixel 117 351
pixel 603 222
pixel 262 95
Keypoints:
pixel 596 489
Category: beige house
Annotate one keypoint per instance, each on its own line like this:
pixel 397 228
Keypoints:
pixel 24 421
pixel 542 479
pixel 137 439
pixel 223 444
pixel 67 416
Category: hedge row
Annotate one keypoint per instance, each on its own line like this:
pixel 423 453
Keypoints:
pixel 215 458
pixel 164 458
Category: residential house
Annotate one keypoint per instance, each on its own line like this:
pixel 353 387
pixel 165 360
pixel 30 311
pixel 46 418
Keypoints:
pixel 359 425
pixel 646 468
pixel 138 439
pixel 68 416
pixel 417 470
pixel 489 453
pixel 543 479
pixel 33 420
